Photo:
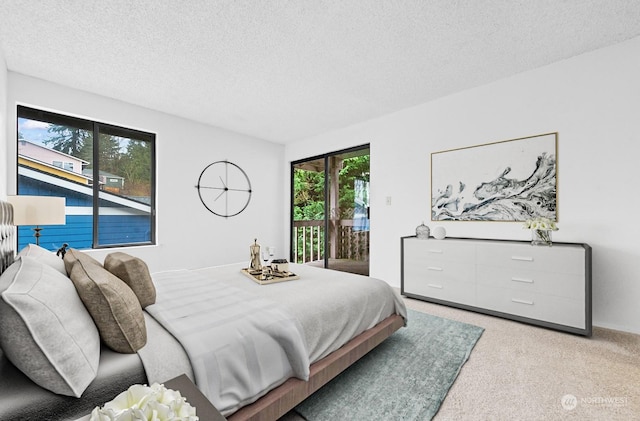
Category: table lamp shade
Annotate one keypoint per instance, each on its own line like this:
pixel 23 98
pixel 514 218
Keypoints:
pixel 38 210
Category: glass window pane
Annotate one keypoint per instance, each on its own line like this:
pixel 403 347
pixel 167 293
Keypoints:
pixel 42 149
pixel 308 211
pixel 125 190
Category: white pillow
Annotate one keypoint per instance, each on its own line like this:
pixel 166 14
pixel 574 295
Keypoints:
pixel 44 256
pixel 46 331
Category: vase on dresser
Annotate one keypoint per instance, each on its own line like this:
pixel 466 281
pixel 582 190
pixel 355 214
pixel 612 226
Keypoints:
pixel 541 237
pixel 423 231
pixel 541 229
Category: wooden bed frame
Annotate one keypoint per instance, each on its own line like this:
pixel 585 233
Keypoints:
pixel 285 397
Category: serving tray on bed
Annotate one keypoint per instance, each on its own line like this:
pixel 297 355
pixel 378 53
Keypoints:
pixel 270 279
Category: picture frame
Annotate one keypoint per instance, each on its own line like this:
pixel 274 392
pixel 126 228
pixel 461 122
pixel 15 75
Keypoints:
pixel 509 180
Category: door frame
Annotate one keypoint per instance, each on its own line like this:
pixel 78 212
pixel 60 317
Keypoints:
pixel 327 209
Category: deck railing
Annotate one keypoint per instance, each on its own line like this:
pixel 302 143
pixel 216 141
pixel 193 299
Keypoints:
pixel 310 235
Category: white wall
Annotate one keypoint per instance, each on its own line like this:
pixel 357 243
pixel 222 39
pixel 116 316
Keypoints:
pixel 591 100
pixel 3 125
pixel 188 235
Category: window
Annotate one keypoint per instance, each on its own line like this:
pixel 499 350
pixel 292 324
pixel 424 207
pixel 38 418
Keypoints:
pixel 106 173
pixel 66 165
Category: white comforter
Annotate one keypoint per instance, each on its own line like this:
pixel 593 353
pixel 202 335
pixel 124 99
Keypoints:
pixel 239 344
pixel 324 309
pixel 332 307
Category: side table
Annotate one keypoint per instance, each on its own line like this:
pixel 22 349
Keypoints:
pixel 204 409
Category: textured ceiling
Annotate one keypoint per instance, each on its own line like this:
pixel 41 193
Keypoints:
pixel 286 70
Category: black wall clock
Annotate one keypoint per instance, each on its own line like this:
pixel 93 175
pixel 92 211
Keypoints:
pixel 224 188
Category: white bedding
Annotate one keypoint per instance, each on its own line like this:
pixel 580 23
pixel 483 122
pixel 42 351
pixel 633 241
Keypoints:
pixel 332 307
pixel 239 344
pixel 324 309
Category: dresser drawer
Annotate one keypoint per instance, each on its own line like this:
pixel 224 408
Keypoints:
pixel 569 285
pixel 447 290
pixel 458 250
pixel 441 270
pixel 558 258
pixel 548 308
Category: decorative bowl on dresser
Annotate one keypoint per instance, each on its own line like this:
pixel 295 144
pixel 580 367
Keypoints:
pixel 543 286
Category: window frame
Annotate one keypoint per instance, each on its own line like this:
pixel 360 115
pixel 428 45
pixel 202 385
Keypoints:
pixel 97 128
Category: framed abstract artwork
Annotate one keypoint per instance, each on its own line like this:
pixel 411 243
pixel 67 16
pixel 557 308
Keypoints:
pixel 510 180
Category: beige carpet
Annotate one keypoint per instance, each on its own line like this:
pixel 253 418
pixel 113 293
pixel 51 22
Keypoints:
pixel 521 372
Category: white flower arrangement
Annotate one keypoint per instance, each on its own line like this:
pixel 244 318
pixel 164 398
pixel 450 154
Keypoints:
pixel 148 403
pixel 542 224
pixel 541 230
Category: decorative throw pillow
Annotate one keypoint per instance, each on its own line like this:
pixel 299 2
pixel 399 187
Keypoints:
pixel 74 255
pixel 112 304
pixel 46 332
pixel 44 256
pixel 135 273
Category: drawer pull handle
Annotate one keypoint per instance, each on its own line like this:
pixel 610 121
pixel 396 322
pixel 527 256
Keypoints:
pixel 435 286
pixel 434 268
pixel 528 281
pixel 435 251
pixel 515 300
pixel 522 258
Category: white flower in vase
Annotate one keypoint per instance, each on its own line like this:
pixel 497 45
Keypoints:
pixel 541 229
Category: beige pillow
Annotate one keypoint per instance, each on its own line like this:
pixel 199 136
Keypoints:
pixel 135 273
pixel 44 256
pixel 45 330
pixel 112 304
pixel 74 255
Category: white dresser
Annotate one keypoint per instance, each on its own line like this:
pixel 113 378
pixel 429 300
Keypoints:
pixel 545 286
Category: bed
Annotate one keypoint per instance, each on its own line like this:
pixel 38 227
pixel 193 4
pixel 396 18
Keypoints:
pixel 308 343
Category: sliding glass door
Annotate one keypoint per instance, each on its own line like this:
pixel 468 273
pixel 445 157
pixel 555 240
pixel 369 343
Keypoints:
pixel 330 210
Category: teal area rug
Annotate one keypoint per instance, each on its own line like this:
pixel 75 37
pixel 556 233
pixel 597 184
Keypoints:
pixel 405 378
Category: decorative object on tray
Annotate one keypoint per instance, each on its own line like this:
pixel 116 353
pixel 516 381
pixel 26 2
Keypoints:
pixel 423 231
pixel 267 255
pixel 541 229
pixel 254 263
pixel 439 232
pixel 141 402
pixel 280 265
pixel 278 271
